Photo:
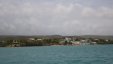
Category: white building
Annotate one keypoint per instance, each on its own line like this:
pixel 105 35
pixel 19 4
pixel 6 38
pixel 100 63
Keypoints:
pixel 75 42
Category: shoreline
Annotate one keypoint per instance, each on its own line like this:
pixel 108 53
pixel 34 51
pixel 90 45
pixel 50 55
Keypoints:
pixel 55 45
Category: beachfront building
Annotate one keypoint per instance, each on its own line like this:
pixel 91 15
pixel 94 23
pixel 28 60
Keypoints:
pixel 75 42
pixel 31 39
pixel 15 43
pixel 84 42
pixel 93 43
pixel 67 39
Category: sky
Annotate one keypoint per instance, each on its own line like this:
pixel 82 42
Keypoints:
pixel 56 17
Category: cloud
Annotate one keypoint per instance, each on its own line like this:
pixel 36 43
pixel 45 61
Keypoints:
pixel 100 12
pixel 30 18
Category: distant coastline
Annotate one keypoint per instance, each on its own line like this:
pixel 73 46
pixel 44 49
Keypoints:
pixel 53 40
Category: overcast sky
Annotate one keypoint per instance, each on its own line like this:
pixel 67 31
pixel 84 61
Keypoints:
pixel 56 17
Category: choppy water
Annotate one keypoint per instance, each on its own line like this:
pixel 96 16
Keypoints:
pixel 88 54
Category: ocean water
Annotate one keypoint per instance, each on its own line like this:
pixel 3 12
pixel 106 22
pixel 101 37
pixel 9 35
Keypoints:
pixel 87 54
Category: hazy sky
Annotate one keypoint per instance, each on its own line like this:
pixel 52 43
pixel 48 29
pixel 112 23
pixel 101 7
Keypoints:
pixel 59 17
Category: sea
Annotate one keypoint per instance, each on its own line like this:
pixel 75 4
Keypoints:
pixel 83 54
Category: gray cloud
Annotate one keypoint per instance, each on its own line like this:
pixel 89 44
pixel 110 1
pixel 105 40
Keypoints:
pixel 47 18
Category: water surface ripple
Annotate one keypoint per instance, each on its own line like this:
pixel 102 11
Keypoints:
pixel 87 54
